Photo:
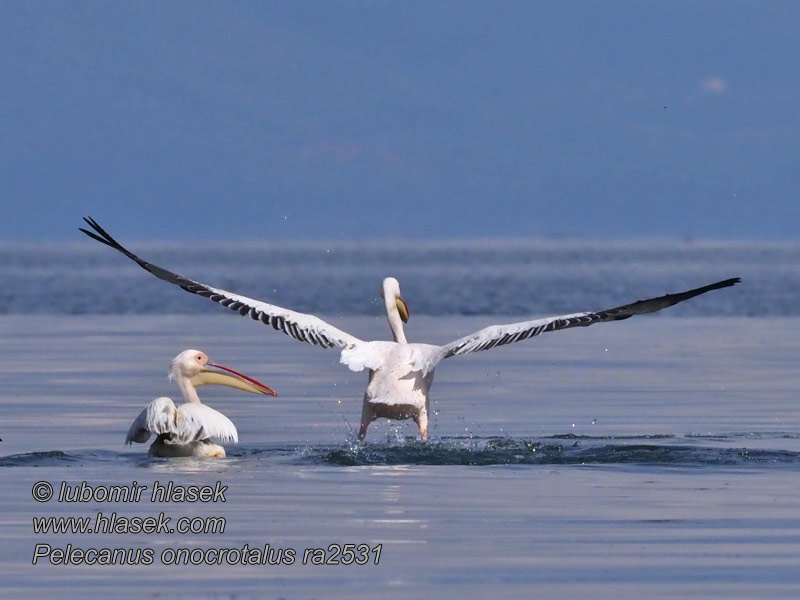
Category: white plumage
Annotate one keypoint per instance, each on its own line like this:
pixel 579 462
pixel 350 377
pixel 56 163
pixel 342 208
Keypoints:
pixel 188 430
pixel 186 423
pixel 400 373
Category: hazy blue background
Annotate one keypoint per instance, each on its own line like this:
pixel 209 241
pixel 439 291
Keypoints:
pixel 356 120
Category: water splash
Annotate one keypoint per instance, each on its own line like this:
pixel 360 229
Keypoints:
pixel 557 450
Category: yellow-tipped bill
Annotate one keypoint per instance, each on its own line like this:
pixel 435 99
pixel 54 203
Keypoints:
pixel 402 308
pixel 232 379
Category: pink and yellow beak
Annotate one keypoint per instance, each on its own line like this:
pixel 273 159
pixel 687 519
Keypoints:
pixel 231 378
pixel 402 308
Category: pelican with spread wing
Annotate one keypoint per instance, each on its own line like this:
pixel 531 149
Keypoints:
pixel 400 373
pixel 188 429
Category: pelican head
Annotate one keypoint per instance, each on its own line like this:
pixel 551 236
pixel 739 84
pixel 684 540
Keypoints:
pixel 187 364
pixel 390 292
pixel 191 368
pixel 396 308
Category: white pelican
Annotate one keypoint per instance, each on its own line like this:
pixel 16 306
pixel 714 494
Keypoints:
pixel 400 374
pixel 187 429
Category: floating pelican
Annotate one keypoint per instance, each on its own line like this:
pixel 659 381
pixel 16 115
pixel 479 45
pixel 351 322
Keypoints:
pixel 400 374
pixel 187 429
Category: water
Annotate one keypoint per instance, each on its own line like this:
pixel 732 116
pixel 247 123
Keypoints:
pixel 656 457
pixel 537 277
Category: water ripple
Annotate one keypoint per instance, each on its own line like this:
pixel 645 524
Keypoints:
pixel 50 458
pixel 654 450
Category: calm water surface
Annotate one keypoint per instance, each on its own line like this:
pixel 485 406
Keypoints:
pixel 658 458
pixel 497 277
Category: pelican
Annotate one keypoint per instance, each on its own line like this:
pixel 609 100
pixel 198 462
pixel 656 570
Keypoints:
pixel 187 429
pixel 400 373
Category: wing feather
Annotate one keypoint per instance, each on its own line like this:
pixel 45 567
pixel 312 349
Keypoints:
pixel 301 326
pixel 197 422
pixel 156 418
pixel 498 335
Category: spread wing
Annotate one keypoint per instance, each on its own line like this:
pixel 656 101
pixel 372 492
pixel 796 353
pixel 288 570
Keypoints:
pixel 300 326
pixel 498 335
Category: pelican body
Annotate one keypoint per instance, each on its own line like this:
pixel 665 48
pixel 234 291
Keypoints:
pixel 395 390
pixel 187 430
pixel 400 373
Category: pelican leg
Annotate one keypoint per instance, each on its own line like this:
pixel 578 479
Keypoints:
pixel 367 417
pixel 422 422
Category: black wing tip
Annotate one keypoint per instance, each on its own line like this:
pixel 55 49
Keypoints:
pixel 99 234
pixel 94 225
pixel 102 236
pixel 726 283
pixel 92 235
